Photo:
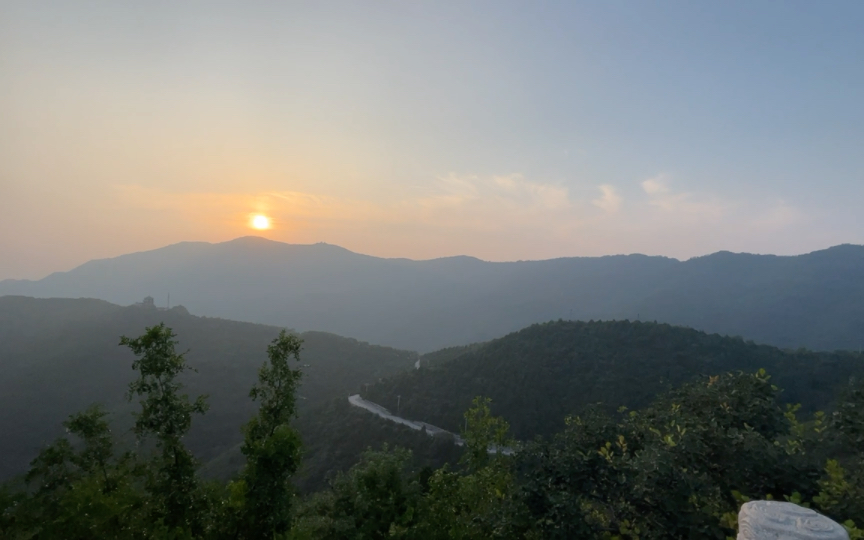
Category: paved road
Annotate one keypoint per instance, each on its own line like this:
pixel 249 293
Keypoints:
pixel 374 408
pixel 431 430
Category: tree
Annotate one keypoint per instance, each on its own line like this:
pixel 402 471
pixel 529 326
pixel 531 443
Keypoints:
pixel 98 450
pixel 473 504
pixel 847 421
pixel 375 499
pixel 166 416
pixel 262 497
pixel 677 469
pixel 486 436
pixel 80 489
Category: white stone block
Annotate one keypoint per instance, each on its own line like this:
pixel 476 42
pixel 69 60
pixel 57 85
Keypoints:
pixel 773 520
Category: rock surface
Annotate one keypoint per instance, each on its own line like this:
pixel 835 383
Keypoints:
pixel 773 520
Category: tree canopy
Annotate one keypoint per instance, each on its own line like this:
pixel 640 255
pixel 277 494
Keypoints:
pixel 677 467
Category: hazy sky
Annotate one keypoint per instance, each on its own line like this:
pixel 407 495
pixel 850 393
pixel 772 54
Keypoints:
pixel 504 130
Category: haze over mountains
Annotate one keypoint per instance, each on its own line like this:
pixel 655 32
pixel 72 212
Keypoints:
pixel 812 300
pixel 59 356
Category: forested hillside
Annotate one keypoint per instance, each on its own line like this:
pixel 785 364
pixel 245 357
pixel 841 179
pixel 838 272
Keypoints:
pixel 58 356
pixel 810 300
pixel 535 377
pixel 677 468
pixel 539 375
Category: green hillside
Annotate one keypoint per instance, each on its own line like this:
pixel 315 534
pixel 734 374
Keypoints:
pixel 58 356
pixel 539 375
pixel 677 465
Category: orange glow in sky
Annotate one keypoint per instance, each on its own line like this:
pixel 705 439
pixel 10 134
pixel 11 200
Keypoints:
pixel 172 123
pixel 260 222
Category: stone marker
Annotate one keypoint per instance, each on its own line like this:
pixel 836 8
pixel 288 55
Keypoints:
pixel 773 520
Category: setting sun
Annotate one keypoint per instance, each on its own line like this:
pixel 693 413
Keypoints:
pixel 260 222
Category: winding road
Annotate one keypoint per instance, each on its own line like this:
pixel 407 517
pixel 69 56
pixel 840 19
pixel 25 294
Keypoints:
pixel 431 430
pixel 374 408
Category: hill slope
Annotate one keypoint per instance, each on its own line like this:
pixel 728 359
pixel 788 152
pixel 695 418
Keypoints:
pixel 58 356
pixel 543 373
pixel 810 300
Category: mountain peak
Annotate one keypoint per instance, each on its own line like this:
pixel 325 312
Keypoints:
pixel 253 240
pixel 250 239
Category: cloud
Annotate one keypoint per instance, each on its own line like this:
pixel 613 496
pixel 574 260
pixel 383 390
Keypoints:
pixel 610 201
pixel 656 185
pixel 711 216
pixel 683 204
pixel 779 216
pixel 512 191
pixel 689 204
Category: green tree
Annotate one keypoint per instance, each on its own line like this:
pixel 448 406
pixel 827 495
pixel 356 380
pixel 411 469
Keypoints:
pixel 841 493
pixel 375 499
pixel 847 420
pixel 166 416
pixel 80 490
pixel 95 457
pixel 676 469
pixel 262 497
pixel 473 504
pixel 486 437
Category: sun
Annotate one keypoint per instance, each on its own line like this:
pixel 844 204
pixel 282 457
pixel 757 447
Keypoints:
pixel 260 222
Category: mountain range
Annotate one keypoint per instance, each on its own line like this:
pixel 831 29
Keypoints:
pixel 812 300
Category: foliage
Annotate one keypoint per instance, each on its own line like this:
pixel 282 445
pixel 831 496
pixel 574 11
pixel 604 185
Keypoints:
pixel 78 488
pixel 486 437
pixel 842 485
pixel 847 421
pixel 472 504
pixel 376 499
pixel 272 448
pixel 678 467
pixel 541 374
pixel 166 416
pixel 337 435
pixel 382 496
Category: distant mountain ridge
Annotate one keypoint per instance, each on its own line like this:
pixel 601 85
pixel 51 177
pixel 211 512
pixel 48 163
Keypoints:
pixel 814 300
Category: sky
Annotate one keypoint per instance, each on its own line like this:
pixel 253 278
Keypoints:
pixel 503 130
